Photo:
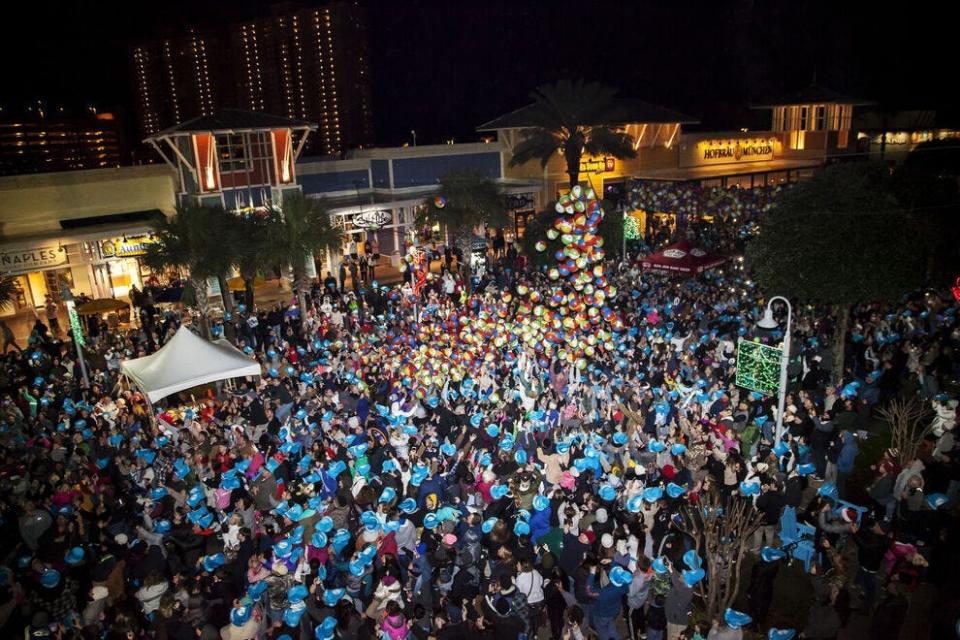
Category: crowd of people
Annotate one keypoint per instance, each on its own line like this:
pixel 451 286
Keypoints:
pixel 394 475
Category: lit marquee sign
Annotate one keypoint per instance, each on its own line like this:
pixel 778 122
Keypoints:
pixel 127 247
pixel 598 165
pixel 372 219
pixel 737 150
pixel 727 151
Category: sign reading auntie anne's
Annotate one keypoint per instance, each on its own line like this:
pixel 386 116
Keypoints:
pixel 27 260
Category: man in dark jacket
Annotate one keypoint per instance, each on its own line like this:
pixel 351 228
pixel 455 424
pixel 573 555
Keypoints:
pixel 770 504
pixel 872 543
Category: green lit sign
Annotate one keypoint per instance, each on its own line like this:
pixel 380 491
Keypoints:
pixel 758 367
pixel 75 325
pixel 631 227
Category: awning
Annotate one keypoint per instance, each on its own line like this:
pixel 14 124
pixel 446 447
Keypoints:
pixel 680 257
pixel 725 170
pixel 81 230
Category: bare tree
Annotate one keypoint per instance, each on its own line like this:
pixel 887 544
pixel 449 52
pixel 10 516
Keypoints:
pixel 721 533
pixel 909 421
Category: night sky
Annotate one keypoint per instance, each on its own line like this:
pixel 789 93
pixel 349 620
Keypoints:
pixel 442 68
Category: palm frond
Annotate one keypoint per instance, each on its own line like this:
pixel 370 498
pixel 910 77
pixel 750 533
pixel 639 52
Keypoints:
pixel 8 291
pixel 564 115
pixel 190 239
pixel 610 142
pixel 471 199
pixel 302 228
pixel 536 144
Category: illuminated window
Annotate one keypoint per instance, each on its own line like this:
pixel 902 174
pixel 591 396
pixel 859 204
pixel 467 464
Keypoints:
pixel 821 118
pixel 843 138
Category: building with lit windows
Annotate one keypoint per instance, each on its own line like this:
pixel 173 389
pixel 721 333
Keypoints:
pixel 814 121
pixel 807 130
pixel 175 78
pixel 87 228
pixel 41 141
pixel 891 135
pixel 302 62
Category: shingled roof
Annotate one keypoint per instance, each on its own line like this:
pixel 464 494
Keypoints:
pixel 813 94
pixel 228 120
pixel 626 111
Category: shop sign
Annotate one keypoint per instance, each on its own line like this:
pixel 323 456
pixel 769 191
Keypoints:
pixel 520 202
pixel 893 138
pixel 126 247
pixel 36 259
pixel 372 219
pixel 731 151
pixel 598 165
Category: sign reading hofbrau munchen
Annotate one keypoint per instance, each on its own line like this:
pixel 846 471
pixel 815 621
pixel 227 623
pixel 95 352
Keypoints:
pixel 738 151
pixel 726 151
pixel 27 260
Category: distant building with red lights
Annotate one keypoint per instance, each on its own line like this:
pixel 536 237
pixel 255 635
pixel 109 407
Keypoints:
pixel 40 141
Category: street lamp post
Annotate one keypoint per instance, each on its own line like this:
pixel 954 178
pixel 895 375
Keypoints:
pixel 768 322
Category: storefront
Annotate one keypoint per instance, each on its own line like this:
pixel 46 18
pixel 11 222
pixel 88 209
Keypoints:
pixel 104 268
pixel 521 208
pixel 375 227
pixel 37 271
pixel 121 263
pixel 87 229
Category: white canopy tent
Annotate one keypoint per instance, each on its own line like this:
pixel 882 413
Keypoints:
pixel 186 361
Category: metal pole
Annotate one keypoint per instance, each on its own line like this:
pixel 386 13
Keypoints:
pixel 784 360
pixel 75 329
pixel 623 233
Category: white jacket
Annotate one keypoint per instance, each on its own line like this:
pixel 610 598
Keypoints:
pixel 530 584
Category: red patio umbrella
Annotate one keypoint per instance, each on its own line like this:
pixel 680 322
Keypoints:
pixel 680 257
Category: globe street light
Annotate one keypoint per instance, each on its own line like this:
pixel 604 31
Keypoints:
pixel 768 322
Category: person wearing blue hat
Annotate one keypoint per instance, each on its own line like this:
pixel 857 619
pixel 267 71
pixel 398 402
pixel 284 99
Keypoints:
pixel 333 596
pixel 258 588
pixel 606 608
pixel 50 578
pixel 212 562
pixel 736 619
pixel 488 525
pixel 75 556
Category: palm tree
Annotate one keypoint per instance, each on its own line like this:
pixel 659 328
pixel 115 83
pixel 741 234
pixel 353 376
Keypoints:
pixel 192 240
pixel 252 252
pixel 8 291
pixel 231 239
pixel 572 118
pixel 466 200
pixel 301 229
